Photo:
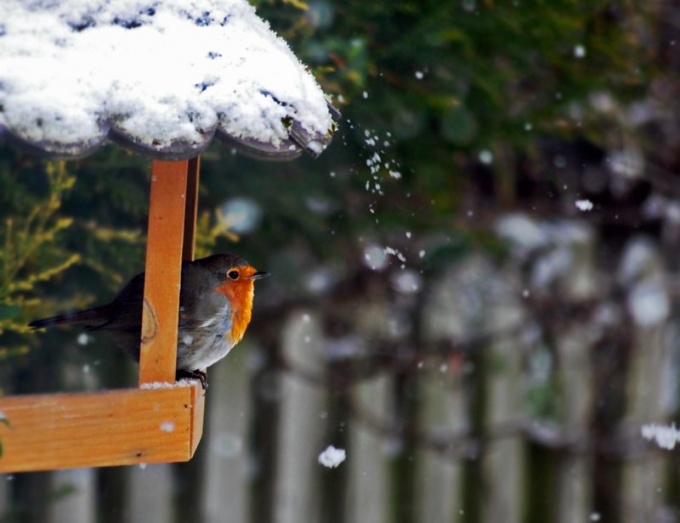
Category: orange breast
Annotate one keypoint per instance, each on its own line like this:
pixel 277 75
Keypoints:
pixel 240 295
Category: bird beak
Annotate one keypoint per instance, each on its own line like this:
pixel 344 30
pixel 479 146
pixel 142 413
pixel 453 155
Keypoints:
pixel 259 275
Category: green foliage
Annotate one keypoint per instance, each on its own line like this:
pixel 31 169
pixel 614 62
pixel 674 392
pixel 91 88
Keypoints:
pixel 31 252
pixel 440 82
pixel 69 234
pixel 109 205
pixel 210 231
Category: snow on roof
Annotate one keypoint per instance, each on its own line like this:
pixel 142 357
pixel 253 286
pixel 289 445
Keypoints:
pixel 160 76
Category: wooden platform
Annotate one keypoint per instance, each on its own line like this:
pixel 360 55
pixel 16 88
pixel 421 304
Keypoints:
pixel 122 427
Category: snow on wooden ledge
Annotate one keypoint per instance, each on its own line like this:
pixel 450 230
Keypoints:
pixel 160 77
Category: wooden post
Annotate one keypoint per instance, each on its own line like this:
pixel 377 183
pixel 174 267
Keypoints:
pixel 191 209
pixel 301 435
pixel 651 378
pixel 440 477
pixel 504 356
pixel 158 355
pixel 368 493
pixel 228 462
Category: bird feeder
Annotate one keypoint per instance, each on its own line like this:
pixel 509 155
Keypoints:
pixel 162 79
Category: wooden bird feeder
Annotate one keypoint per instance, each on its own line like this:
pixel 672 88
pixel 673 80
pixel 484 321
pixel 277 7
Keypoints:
pixel 154 423
pixel 160 421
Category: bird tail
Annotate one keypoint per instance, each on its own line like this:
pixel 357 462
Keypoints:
pixel 91 316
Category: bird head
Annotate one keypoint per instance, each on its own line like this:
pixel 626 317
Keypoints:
pixel 236 279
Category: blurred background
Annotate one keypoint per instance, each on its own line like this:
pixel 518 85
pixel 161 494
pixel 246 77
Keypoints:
pixel 473 289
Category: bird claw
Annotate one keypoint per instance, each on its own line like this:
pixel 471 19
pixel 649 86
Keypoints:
pixel 199 375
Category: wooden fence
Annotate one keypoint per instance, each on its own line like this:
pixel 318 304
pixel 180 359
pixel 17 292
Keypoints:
pixel 511 391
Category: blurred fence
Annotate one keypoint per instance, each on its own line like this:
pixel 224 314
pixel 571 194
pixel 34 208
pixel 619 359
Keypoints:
pixel 496 391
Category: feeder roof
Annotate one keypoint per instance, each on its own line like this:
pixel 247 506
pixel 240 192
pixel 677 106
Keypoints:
pixel 162 77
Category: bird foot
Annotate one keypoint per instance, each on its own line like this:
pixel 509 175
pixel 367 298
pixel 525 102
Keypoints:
pixel 194 375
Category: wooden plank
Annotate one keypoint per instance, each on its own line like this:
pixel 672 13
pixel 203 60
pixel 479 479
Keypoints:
pixel 149 494
pixel 503 460
pixel 80 504
pixel 121 427
pixel 158 358
pixel 191 209
pixel 198 412
pixel 228 462
pixel 651 381
pixel 440 476
pixel 368 491
pixel 574 348
pixel 301 433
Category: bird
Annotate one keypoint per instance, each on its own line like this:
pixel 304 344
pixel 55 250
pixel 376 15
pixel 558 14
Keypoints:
pixel 215 308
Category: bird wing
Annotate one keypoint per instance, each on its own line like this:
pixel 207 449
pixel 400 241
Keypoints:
pixel 199 302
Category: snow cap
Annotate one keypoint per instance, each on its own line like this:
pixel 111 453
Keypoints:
pixel 162 77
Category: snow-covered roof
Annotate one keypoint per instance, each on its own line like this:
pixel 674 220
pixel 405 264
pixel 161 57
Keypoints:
pixel 160 76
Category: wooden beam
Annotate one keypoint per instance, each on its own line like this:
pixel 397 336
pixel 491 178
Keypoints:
pixel 121 427
pixel 191 209
pixel 158 355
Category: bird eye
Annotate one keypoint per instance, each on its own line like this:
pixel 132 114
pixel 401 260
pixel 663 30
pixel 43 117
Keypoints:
pixel 233 275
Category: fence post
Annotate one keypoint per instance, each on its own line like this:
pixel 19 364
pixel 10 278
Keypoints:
pixel 301 427
pixel 503 458
pixel 642 272
pixel 574 477
pixel 150 491
pixel 574 345
pixel 368 459
pixel 226 484
pixel 444 413
pixel 439 483
pixel 77 501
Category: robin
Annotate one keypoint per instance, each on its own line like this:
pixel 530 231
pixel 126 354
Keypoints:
pixel 215 306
